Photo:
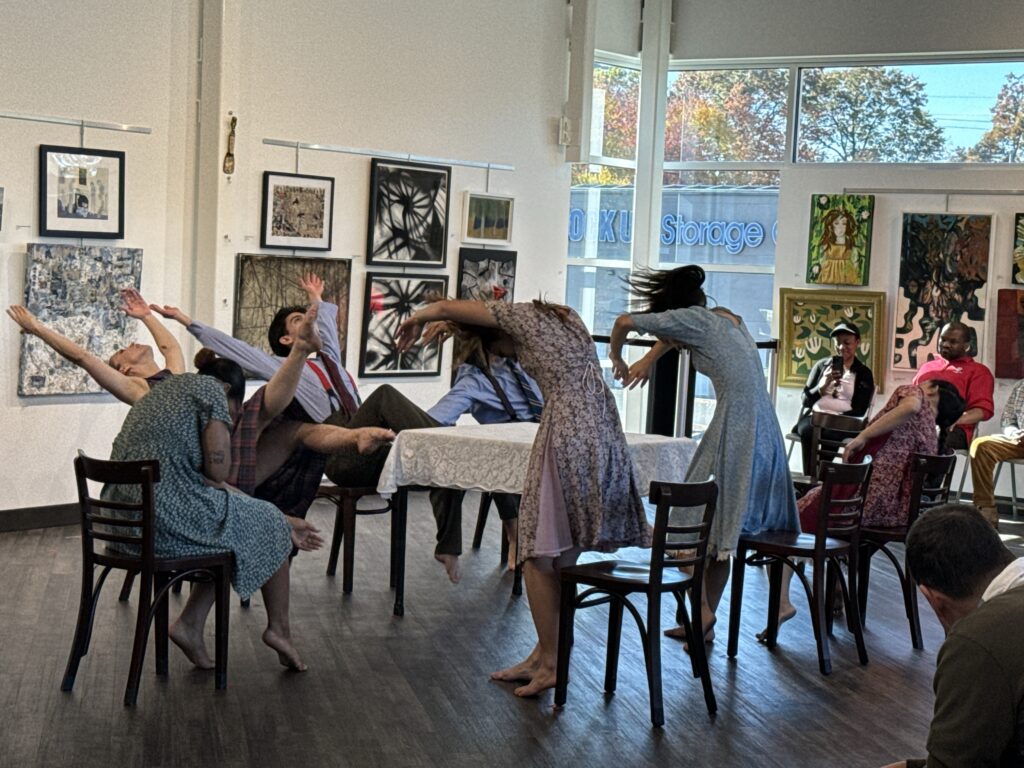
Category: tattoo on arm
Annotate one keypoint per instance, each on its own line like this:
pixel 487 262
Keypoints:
pixel 217 457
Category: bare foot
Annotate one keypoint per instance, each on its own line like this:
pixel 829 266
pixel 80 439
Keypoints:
pixel 524 670
pixel 286 652
pixel 191 644
pixel 679 633
pixel 512 533
pixel 785 614
pixel 542 679
pixel 451 567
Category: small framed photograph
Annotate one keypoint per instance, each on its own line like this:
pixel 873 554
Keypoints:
pixel 408 214
pixel 81 192
pixel 298 211
pixel 390 299
pixel 487 219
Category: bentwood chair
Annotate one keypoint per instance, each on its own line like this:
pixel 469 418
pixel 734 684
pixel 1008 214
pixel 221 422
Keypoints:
pixel 346 500
pixel 829 433
pixel 614 581
pixel 931 478
pixel 837 536
pixel 130 527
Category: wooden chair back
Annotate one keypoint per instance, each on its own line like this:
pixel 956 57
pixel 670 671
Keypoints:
pixel 695 542
pixel 931 478
pixel 825 449
pixel 844 489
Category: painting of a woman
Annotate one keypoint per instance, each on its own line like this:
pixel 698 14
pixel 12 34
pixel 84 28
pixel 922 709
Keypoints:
pixel 840 239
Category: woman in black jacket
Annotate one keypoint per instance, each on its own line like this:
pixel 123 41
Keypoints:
pixel 847 389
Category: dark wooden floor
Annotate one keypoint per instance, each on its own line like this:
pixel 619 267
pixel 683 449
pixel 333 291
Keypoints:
pixel 415 691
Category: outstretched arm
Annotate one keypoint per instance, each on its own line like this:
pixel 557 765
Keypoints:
pixel 886 423
pixel 456 310
pixel 280 390
pixel 640 371
pixel 127 389
pixel 135 306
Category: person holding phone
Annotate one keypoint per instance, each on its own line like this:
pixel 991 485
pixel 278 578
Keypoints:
pixel 841 384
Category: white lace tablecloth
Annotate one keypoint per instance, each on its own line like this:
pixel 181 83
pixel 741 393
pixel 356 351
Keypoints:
pixel 493 457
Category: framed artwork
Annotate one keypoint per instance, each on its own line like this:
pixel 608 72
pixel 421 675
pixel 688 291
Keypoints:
pixel 1018 248
pixel 75 290
pixel 487 219
pixel 389 300
pixel 298 211
pixel 807 317
pixel 839 244
pixel 408 213
pixel 943 270
pixel 81 192
pixel 265 284
pixel 1010 334
pixel 486 275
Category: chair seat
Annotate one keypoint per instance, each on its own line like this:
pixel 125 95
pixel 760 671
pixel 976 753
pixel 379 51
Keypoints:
pixel 117 559
pixel 884 535
pixel 790 543
pixel 625 573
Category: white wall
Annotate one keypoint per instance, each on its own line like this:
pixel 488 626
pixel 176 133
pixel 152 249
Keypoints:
pixel 800 182
pixel 465 79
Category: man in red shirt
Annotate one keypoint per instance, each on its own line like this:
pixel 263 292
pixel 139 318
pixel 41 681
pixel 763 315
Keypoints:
pixel 972 380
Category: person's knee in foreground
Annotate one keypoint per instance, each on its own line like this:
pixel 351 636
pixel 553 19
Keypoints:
pixel 988 451
pixel 976 588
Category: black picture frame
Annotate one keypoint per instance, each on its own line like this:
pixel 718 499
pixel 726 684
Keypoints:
pixel 388 299
pixel 81 192
pixel 408 213
pixel 297 215
pixel 487 274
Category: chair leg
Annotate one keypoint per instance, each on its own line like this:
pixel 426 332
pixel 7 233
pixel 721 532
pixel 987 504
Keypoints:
pixel 774 601
pixel 653 653
pixel 126 587
pixel 517 580
pixel 910 599
pixel 505 546
pixel 963 475
pixel 80 643
pixel 162 621
pixel 348 564
pixel 818 621
pixel 131 691
pixel 863 578
pixel 736 600
pixel 830 596
pixel 221 624
pixel 853 616
pixel 699 655
pixel 611 667
pixel 399 522
pixel 566 616
pixel 481 520
pixel 1013 491
pixel 339 532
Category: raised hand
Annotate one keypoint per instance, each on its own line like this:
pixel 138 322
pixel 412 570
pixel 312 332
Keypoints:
pixel 408 333
pixel 308 338
pixel 439 331
pixel 313 285
pixel 305 535
pixel 369 439
pixel 639 372
pixel 171 313
pixel 133 305
pixel 28 322
pixel 621 370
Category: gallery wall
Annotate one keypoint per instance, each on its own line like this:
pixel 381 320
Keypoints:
pixel 465 80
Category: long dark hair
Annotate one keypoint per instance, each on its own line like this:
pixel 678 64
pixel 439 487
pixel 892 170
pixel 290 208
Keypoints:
pixel 660 290
pixel 948 410
pixel 222 369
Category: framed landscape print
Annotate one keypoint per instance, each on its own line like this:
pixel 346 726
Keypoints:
pixel 265 283
pixel 1018 249
pixel 943 271
pixel 298 211
pixel 839 244
pixel 806 318
pixel 389 300
pixel 487 219
pixel 81 192
pixel 1010 334
pixel 75 290
pixel 408 213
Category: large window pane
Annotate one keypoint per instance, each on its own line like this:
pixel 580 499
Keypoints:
pixel 598 294
pixel 726 114
pixel 964 112
pixel 712 217
pixel 601 213
pixel 614 115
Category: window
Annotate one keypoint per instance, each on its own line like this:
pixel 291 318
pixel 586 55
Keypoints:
pixel 961 112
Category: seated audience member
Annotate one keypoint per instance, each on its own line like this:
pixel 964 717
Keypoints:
pixel 905 426
pixel 131 371
pixel 493 390
pixel 976 588
pixel 972 380
pixel 988 451
pixel 846 389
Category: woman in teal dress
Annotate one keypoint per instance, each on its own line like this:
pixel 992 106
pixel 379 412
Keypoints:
pixel 742 446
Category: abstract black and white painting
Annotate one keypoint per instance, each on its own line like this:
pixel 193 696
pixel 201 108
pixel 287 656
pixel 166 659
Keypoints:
pixel 390 299
pixel 265 284
pixel 408 213
pixel 75 290
pixel 298 211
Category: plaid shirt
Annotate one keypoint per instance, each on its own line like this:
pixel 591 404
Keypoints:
pixel 293 486
pixel 1013 411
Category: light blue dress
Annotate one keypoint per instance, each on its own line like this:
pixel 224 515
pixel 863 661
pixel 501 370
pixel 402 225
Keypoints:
pixel 742 446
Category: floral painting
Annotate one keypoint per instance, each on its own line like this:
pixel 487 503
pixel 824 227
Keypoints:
pixel 808 317
pixel 839 245
pixel 943 270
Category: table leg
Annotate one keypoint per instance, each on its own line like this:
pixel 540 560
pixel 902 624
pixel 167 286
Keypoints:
pixel 398 525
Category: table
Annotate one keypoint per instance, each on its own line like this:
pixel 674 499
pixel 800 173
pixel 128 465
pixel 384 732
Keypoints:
pixel 492 458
